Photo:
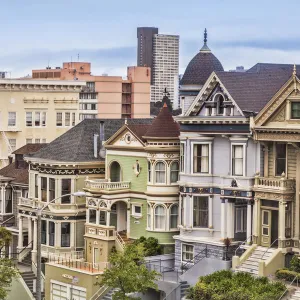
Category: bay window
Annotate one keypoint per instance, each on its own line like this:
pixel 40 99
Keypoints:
pixel 65 234
pixel 102 217
pixel 160 217
pixel 200 212
pixel 174 216
pixel 201 158
pixel 65 190
pixel 160 172
pixel 149 171
pixel 238 160
pixel 174 172
pixel 280 159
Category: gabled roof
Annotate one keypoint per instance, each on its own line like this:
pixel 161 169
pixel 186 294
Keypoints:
pixel 139 130
pixel 163 125
pixel 77 144
pixel 250 90
pixel 20 175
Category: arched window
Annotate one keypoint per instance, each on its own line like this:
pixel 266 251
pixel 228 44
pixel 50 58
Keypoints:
pixel 149 171
pixel 160 172
pixel 160 217
pixel 92 215
pixel 174 216
pixel 220 105
pixel 174 172
pixel 149 216
pixel 115 172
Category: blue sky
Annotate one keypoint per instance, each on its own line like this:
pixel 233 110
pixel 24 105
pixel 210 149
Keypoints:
pixel 104 32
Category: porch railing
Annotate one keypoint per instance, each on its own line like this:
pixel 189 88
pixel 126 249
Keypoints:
pixel 274 183
pixel 81 265
pixel 102 185
pixel 74 255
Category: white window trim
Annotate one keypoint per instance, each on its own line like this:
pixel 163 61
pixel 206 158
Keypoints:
pixel 286 158
pixel 133 213
pixel 184 159
pixel 209 157
pixel 166 218
pixel 41 112
pixel 185 261
pixel 208 213
pixel 151 172
pixel 169 217
pixel 12 126
pixel 170 172
pixel 151 217
pixel 244 158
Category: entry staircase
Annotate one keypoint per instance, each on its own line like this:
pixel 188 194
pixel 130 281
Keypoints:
pixel 250 265
pixel 109 295
pixel 295 295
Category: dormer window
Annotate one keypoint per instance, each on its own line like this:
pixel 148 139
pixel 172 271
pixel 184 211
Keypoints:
pixel 219 99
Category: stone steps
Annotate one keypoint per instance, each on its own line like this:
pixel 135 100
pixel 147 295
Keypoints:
pixel 295 295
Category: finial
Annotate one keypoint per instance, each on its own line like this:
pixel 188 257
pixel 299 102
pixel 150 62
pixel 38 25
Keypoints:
pixel 165 105
pixel 125 120
pixel 294 70
pixel 205 36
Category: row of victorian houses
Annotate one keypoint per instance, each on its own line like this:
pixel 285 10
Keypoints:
pixel 225 172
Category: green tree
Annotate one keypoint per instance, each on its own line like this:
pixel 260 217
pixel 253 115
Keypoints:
pixel 151 245
pixel 128 273
pixel 7 269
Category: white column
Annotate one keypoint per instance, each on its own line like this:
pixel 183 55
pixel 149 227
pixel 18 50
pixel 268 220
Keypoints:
pixel 34 249
pixel 179 209
pixel 231 111
pixel 210 212
pixel 223 219
pixel 249 221
pixel 256 220
pixel 20 236
pixel 128 221
pixel 281 230
pixel 3 200
pixel 29 231
pixel 297 198
pixel 108 218
pixel 213 111
pixel 230 220
pixel 206 111
pixel 72 235
pixel 57 234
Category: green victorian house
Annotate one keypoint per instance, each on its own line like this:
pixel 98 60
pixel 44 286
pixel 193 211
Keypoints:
pixel 139 196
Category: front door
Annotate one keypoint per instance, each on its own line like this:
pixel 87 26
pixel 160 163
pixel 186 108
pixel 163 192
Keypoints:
pixel 96 257
pixel 266 217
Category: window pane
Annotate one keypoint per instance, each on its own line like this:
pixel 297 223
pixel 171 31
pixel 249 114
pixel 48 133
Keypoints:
pixel 149 217
pixel 160 172
pixel 201 158
pixel 44 232
pixel 237 160
pixel 51 233
pixel 37 119
pixel 67 119
pixel 149 171
pixel 174 217
pixel 160 217
pixel 51 189
pixel 174 172
pixel 28 118
pixel 200 213
pixel 12 118
pixel 43 118
pixel 280 159
pixel 92 216
pixel 295 110
pixel 66 189
pixel 182 157
pixel 65 234
pixel 58 119
pixel 44 188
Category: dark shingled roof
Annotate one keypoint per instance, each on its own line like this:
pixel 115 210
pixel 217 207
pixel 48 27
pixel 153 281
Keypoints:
pixel 252 90
pixel 200 68
pixel 163 125
pixel 29 148
pixel 268 67
pixel 139 130
pixel 20 175
pixel 77 144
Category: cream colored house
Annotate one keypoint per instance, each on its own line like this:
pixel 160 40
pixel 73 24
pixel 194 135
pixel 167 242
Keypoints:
pixel 35 111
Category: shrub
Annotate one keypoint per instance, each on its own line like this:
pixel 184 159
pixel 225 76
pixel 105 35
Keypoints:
pixel 151 245
pixel 287 275
pixel 223 285
pixel 295 264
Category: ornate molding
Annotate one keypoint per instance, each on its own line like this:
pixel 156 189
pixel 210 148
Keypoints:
pixel 266 136
pixel 53 171
pixel 273 196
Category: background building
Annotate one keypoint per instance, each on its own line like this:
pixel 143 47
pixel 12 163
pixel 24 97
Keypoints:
pixel 106 96
pixel 35 111
pixel 164 61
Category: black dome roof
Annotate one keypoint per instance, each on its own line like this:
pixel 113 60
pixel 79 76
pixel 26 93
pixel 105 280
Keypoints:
pixel 201 66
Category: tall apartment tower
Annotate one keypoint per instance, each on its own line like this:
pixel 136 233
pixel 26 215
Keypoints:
pixel 145 47
pixel 161 53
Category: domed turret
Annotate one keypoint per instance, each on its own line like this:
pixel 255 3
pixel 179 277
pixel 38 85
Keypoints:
pixel 201 66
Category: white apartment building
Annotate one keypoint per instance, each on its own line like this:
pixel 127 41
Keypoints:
pixel 165 67
pixel 35 111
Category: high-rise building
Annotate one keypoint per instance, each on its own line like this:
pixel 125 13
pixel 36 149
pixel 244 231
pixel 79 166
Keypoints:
pixel 161 54
pixel 145 47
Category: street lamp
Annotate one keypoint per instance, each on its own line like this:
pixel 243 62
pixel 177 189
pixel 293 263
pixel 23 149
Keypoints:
pixel 39 237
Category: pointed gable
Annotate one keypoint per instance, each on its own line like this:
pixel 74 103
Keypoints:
pixel 163 126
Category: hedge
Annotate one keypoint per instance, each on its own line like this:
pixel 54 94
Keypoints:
pixel 287 275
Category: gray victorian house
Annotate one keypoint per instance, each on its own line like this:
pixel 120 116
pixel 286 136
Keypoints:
pixel 219 160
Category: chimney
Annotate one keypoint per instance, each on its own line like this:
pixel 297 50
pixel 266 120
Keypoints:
pixel 102 149
pixel 10 160
pixel 96 145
